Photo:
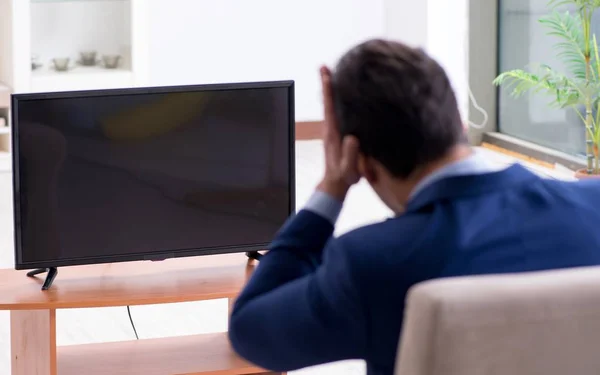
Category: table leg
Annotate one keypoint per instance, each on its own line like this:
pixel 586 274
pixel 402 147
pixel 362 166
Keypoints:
pixel 33 342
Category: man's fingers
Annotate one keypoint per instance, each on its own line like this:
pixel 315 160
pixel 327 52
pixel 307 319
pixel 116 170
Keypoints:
pixel 351 146
pixel 327 95
pixel 349 158
pixel 331 130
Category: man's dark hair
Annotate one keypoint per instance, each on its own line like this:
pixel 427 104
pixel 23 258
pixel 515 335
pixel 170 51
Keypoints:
pixel 399 103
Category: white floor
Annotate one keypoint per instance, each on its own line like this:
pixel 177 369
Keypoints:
pixel 112 324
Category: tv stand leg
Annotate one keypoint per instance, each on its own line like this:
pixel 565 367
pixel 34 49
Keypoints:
pixel 33 342
pixel 52 272
pixel 254 255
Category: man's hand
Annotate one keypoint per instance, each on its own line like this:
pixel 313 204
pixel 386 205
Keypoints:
pixel 341 155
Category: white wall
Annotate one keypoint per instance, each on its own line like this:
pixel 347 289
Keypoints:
pixel 203 41
pixel 439 26
pixel 447 41
pixel 406 21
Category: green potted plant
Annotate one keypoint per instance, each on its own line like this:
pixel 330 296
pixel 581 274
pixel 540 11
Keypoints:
pixel 577 88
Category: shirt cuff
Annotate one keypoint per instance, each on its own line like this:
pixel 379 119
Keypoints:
pixel 324 205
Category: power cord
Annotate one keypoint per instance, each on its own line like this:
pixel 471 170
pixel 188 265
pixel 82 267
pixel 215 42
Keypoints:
pixel 486 117
pixel 132 323
pixel 250 254
pixel 479 109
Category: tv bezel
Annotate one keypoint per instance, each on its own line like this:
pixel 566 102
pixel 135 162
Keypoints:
pixel 152 255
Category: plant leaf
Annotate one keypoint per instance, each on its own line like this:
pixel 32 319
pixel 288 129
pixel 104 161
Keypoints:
pixel 590 4
pixel 564 90
pixel 567 28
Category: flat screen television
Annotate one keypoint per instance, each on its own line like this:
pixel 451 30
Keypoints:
pixel 150 173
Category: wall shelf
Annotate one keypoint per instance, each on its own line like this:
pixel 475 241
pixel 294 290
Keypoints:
pixel 42 30
pixel 78 70
pixel 62 30
pixel 71 1
pixel 80 79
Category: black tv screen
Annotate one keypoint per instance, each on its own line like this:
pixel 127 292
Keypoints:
pixel 151 173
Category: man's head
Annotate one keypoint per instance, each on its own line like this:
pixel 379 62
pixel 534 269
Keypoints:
pixel 398 102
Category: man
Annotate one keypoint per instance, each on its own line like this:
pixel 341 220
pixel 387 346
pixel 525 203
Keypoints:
pixel 391 118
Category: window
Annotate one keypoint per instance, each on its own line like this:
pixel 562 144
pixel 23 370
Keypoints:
pixel 523 42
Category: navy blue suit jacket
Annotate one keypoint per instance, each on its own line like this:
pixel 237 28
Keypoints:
pixel 315 299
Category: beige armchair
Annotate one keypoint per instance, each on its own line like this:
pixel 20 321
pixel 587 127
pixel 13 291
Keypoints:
pixel 542 323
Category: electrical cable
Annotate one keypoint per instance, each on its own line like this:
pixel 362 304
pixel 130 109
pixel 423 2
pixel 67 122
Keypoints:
pixel 486 117
pixel 479 109
pixel 132 323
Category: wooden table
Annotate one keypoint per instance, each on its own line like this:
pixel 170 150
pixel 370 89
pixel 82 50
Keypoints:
pixel 33 317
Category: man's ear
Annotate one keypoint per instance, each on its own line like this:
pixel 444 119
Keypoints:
pixel 367 169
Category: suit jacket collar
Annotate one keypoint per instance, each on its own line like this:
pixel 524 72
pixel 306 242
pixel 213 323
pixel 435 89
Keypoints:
pixel 471 185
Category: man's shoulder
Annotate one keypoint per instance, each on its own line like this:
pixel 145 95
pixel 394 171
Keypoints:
pixel 387 226
pixel 581 191
pixel 584 184
pixel 373 243
pixel 588 185
pixel 385 259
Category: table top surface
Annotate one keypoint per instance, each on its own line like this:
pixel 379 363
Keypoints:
pixel 128 283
